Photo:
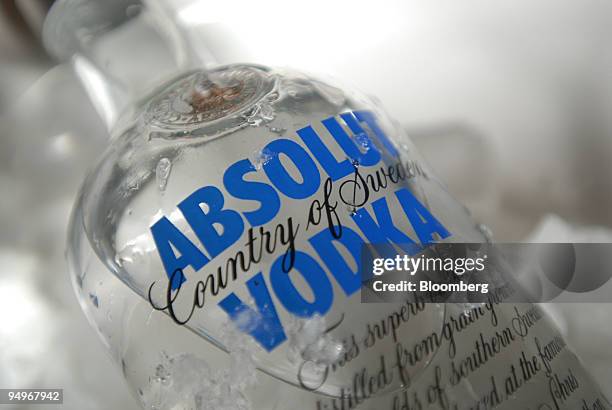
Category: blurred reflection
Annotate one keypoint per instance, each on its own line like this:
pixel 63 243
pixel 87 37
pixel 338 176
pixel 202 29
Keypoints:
pixel 50 136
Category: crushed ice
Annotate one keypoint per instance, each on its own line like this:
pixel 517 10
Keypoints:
pixel 310 341
pixel 187 381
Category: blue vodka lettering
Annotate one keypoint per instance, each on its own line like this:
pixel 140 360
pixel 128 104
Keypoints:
pixel 375 222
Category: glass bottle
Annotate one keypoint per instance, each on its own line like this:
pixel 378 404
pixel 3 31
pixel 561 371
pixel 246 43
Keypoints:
pixel 214 247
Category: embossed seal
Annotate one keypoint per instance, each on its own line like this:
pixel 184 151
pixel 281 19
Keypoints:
pixel 206 96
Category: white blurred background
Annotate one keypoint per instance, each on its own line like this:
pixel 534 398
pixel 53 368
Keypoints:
pixel 510 101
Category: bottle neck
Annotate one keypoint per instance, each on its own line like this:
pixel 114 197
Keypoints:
pixel 120 49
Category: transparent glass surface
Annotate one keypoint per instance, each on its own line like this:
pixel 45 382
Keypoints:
pixel 180 141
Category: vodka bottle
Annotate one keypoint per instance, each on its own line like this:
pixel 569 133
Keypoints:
pixel 215 249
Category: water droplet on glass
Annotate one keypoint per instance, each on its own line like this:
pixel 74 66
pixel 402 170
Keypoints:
pixel 266 112
pixel 278 131
pixel 485 231
pixel 162 172
pixel 162 375
pixel 128 254
pixel 352 210
pixel 260 113
pixel 363 141
pixel 468 307
pixel 261 158
pixel 94 299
